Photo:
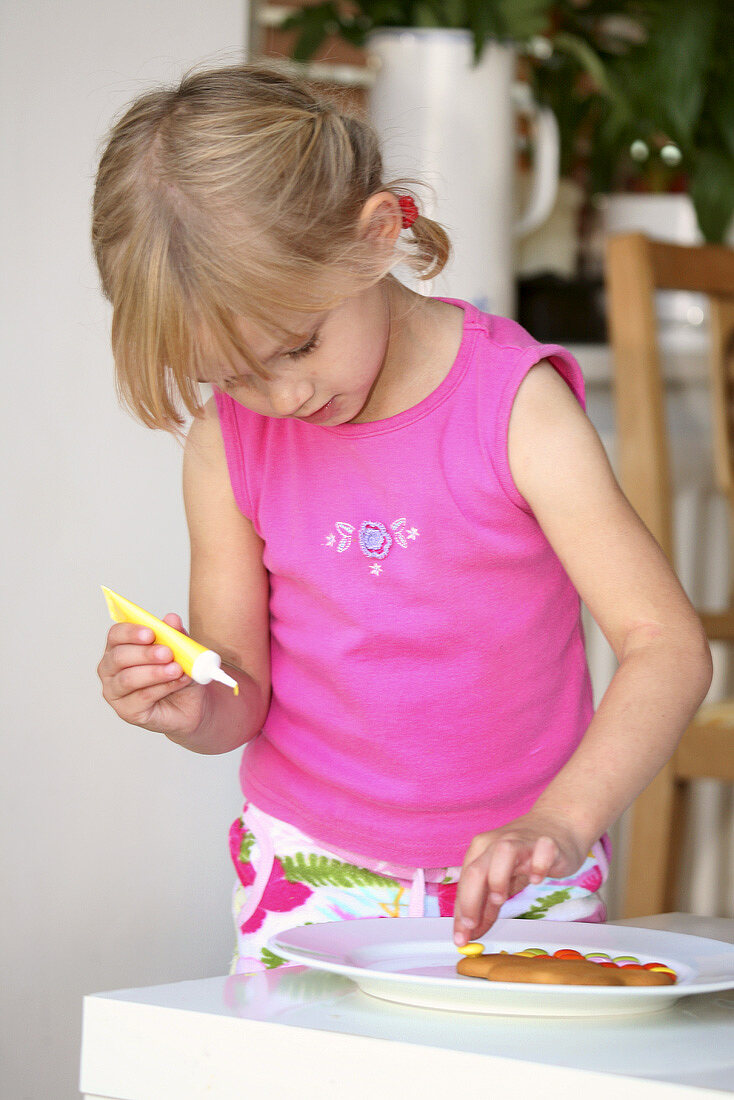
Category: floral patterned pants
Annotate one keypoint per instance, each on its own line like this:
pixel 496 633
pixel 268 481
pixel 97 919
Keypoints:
pixel 284 879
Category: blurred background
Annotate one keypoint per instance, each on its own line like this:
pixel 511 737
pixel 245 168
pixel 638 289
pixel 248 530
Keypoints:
pixel 538 129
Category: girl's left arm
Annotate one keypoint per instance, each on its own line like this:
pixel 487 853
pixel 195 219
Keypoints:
pixel 560 467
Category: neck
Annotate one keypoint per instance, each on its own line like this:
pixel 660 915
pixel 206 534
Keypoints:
pixel 401 381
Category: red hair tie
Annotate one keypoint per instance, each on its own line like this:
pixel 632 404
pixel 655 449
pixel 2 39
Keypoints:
pixel 409 210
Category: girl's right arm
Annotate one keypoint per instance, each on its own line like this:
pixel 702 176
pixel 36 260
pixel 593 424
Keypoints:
pixel 228 613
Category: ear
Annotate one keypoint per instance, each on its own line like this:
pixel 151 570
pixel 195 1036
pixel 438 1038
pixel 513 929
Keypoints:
pixel 381 218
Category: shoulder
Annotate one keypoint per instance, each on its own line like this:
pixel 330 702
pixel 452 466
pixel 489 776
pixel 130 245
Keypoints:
pixel 544 390
pixel 514 360
pixel 204 454
pixel 551 441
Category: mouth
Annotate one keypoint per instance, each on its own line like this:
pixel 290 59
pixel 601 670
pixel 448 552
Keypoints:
pixel 321 414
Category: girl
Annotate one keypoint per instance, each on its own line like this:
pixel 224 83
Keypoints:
pixel 395 505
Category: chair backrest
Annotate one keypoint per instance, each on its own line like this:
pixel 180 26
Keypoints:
pixel 636 268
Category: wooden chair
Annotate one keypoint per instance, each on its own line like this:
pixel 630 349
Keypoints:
pixel 636 268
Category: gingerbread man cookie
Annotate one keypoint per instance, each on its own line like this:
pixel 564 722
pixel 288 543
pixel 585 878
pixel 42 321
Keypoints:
pixel 550 970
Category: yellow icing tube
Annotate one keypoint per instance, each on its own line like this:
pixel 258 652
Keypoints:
pixel 201 664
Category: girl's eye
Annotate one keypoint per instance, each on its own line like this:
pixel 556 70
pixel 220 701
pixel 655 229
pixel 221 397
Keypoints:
pixel 236 383
pixel 310 345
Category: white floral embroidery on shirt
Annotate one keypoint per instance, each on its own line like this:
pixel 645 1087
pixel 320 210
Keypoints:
pixel 346 531
pixel 373 539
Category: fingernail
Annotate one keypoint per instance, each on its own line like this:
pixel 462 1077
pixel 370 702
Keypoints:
pixel 460 939
pixel 498 899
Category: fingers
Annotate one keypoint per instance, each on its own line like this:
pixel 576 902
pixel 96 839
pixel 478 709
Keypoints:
pixel 119 633
pixel 498 872
pixel 483 888
pixel 174 620
pixel 545 854
pixel 136 672
pixel 160 673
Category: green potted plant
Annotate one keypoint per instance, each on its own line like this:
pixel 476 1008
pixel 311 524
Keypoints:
pixel 485 19
pixel 643 90
pixel 444 98
pixel 660 118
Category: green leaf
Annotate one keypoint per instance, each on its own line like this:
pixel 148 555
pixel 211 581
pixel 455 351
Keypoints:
pixel 270 959
pixel 484 24
pixel 315 24
pixel 246 845
pixel 455 13
pixel 669 80
pixel 587 58
pixel 387 13
pixel 522 19
pixel 542 905
pixel 712 193
pixel 424 15
pixel 720 85
pixel 322 871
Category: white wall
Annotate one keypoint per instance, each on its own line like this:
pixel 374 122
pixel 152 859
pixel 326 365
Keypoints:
pixel 114 867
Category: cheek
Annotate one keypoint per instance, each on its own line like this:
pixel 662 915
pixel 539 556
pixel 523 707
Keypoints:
pixel 366 371
pixel 372 355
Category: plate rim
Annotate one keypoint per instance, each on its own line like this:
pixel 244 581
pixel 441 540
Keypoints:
pixel 355 973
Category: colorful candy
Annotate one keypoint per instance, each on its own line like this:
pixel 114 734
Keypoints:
pixel 624 962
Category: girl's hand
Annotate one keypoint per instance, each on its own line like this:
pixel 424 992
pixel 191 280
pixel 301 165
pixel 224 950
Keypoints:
pixel 144 685
pixel 500 863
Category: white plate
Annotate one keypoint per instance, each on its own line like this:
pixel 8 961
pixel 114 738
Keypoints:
pixel 413 961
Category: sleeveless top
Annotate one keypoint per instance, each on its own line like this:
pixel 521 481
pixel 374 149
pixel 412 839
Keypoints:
pixel 429 676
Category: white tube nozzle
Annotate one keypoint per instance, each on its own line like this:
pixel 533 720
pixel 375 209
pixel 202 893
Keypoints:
pixel 206 668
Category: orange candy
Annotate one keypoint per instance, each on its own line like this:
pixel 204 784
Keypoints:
pixel 622 962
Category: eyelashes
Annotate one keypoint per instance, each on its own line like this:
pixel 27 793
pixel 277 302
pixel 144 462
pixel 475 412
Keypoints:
pixel 235 383
pixel 310 345
pixel 298 353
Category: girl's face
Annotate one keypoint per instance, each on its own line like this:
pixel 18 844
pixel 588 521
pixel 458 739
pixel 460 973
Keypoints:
pixel 330 375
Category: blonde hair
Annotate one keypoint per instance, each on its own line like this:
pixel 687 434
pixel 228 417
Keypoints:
pixel 235 195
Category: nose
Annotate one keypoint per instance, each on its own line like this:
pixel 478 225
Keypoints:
pixel 287 396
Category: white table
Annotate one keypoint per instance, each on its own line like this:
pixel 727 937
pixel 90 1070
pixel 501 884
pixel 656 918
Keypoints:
pixel 301 1034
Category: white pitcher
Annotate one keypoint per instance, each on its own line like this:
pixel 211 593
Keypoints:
pixel 451 124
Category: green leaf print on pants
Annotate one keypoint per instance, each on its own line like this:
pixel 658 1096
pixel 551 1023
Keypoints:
pixel 318 870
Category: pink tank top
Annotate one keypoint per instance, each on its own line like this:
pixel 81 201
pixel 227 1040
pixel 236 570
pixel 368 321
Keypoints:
pixel 428 665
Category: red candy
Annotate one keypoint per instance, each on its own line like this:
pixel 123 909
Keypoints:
pixel 571 953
